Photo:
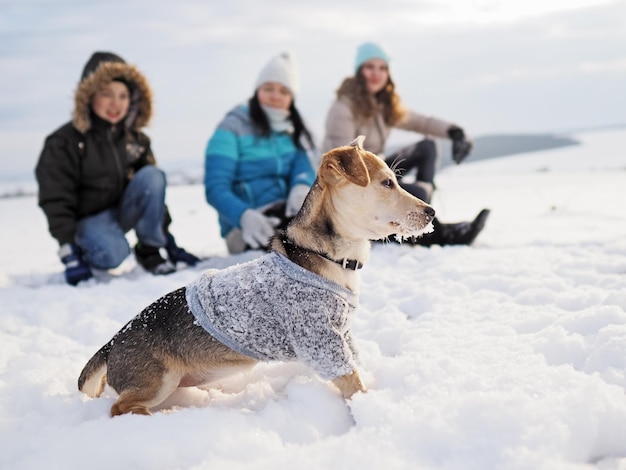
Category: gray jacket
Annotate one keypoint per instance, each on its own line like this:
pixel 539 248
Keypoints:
pixel 342 127
pixel 273 309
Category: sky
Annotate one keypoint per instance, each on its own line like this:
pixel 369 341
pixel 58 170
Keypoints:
pixel 514 66
pixel 507 354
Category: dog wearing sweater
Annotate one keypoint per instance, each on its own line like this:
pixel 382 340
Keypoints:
pixel 294 303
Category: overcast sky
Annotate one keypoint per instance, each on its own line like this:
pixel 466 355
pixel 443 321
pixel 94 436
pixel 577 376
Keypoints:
pixel 489 65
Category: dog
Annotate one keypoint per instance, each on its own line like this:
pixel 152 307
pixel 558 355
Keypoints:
pixel 293 303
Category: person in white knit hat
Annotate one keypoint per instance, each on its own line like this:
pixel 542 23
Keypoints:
pixel 257 169
pixel 280 69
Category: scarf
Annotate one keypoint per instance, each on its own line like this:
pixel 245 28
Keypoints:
pixel 279 119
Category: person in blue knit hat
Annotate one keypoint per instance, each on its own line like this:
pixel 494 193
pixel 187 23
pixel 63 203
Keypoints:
pixel 257 167
pixel 368 51
pixel 367 104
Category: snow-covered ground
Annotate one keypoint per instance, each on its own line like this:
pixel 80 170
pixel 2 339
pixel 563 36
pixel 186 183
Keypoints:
pixel 510 354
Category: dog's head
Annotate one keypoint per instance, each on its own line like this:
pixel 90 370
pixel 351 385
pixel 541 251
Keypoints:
pixel 365 196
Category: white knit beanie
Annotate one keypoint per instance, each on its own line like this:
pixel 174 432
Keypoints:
pixel 280 69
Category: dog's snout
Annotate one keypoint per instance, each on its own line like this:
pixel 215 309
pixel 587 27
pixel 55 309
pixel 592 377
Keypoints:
pixel 430 213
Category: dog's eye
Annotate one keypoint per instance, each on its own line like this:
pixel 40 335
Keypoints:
pixel 388 183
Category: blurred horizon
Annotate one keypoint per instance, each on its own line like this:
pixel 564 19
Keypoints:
pixel 190 171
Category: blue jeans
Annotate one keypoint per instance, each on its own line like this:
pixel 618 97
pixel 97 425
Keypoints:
pixel 102 236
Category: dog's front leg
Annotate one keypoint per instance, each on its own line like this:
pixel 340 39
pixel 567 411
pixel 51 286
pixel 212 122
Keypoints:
pixel 349 384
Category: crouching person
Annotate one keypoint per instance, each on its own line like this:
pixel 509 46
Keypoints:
pixel 98 178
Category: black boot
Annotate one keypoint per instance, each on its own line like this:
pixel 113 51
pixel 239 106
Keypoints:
pixel 462 233
pixel 151 260
pixel 176 253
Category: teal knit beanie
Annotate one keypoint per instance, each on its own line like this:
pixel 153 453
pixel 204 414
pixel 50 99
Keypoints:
pixel 367 51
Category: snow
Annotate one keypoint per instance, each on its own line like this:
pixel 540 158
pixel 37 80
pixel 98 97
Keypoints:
pixel 509 354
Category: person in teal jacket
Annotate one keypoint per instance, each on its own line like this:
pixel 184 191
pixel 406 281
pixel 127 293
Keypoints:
pixel 257 166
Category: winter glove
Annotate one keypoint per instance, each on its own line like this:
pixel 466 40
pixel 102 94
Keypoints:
pixel 175 253
pixel 256 229
pixel 76 269
pixel 296 199
pixel 461 146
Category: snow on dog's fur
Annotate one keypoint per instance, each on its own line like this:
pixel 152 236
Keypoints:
pixel 295 303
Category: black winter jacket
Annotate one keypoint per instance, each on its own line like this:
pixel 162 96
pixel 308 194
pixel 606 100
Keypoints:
pixel 82 174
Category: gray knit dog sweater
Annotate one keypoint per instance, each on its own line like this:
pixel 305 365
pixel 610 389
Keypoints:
pixel 273 309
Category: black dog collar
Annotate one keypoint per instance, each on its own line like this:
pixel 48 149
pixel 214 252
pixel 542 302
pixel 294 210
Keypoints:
pixel 345 263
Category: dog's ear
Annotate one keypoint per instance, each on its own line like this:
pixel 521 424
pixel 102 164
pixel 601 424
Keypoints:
pixel 358 142
pixel 345 163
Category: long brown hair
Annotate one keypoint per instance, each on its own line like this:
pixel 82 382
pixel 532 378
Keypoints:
pixel 365 106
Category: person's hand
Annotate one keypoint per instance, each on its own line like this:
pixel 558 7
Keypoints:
pixel 256 229
pixel 461 145
pixel 296 199
pixel 76 270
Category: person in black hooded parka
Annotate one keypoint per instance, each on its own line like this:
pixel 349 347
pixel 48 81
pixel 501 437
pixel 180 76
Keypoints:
pixel 98 178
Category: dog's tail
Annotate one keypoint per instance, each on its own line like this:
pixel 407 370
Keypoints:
pixel 93 377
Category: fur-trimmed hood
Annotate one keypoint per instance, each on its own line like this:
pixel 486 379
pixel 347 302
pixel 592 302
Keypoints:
pixel 140 110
